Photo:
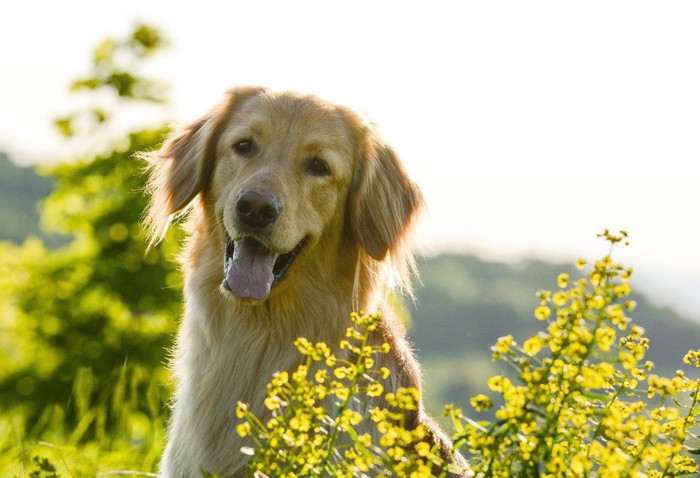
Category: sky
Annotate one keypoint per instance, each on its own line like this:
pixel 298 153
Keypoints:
pixel 530 126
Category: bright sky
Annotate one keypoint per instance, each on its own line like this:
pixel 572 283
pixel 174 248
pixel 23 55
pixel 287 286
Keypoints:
pixel 530 126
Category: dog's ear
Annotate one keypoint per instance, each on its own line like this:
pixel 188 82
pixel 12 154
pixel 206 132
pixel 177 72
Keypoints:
pixel 383 201
pixel 181 169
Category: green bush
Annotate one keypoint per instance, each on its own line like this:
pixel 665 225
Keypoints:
pixel 84 327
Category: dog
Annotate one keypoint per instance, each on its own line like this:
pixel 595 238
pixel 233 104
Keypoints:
pixel 297 214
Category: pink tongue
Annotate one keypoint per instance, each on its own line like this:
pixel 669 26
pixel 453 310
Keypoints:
pixel 250 274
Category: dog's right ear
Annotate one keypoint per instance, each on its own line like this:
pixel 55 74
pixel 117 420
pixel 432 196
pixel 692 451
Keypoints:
pixel 182 167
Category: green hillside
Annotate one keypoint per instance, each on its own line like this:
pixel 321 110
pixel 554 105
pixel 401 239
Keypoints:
pixel 20 190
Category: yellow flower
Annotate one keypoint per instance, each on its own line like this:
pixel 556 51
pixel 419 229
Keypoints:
pixel 304 346
pixel 377 415
pixel 422 448
pixel 321 350
pixel 481 403
pixel 241 409
pixel 542 312
pixel 272 403
pixel 340 372
pixel 503 344
pixel 626 274
pixel 243 429
pixel 597 302
pixel 351 416
pixel 684 465
pixel 559 298
pixel 605 337
pixel 396 452
pixel 692 358
pixel 544 296
pixel 533 345
pixel 499 383
pixel 300 374
pixel 342 393
pixel 622 290
pixel 627 359
pixel 375 389
pixel 563 280
pixel 279 380
pixel 321 375
pixel 365 439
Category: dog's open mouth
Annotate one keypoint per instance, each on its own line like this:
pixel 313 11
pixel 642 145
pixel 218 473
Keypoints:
pixel 250 268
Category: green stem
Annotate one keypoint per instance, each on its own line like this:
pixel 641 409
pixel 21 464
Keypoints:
pixel 359 364
pixel 691 410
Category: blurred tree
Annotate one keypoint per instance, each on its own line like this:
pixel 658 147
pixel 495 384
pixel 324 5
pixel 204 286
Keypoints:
pixel 99 304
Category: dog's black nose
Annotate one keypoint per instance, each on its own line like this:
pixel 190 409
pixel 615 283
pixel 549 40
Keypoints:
pixel 257 208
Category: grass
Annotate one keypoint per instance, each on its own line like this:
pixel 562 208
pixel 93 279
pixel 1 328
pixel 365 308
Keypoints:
pixel 120 433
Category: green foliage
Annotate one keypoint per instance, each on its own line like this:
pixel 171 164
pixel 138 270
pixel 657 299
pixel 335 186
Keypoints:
pixel 114 66
pixel 86 326
pixel 99 301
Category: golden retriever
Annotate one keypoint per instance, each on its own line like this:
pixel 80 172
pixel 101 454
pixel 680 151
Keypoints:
pixel 298 215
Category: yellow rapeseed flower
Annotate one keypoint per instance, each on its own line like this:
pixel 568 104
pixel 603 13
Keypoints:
pixel 502 346
pixel 622 290
pixel 481 403
pixel 375 389
pixel 542 312
pixel 563 280
pixel 533 345
pixel 692 358
pixel 241 409
pixel 243 429
pixel 560 298
pixel 422 448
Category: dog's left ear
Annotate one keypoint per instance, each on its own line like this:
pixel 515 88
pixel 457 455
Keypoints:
pixel 181 169
pixel 383 201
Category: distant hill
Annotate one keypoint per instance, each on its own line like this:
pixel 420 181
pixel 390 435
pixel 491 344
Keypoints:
pixel 21 188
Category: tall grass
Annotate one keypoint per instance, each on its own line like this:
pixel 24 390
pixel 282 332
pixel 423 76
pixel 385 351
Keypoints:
pixel 105 429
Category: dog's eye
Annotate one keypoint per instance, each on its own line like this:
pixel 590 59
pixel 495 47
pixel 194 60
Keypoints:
pixel 245 147
pixel 318 167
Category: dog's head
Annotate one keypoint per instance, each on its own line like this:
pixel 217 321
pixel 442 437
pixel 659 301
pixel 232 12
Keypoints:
pixel 283 177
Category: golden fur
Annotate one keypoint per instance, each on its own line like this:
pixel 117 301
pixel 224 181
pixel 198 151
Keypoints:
pixel 352 212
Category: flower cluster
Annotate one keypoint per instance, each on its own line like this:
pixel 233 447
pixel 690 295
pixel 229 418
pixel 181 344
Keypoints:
pixel 332 417
pixel 576 408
